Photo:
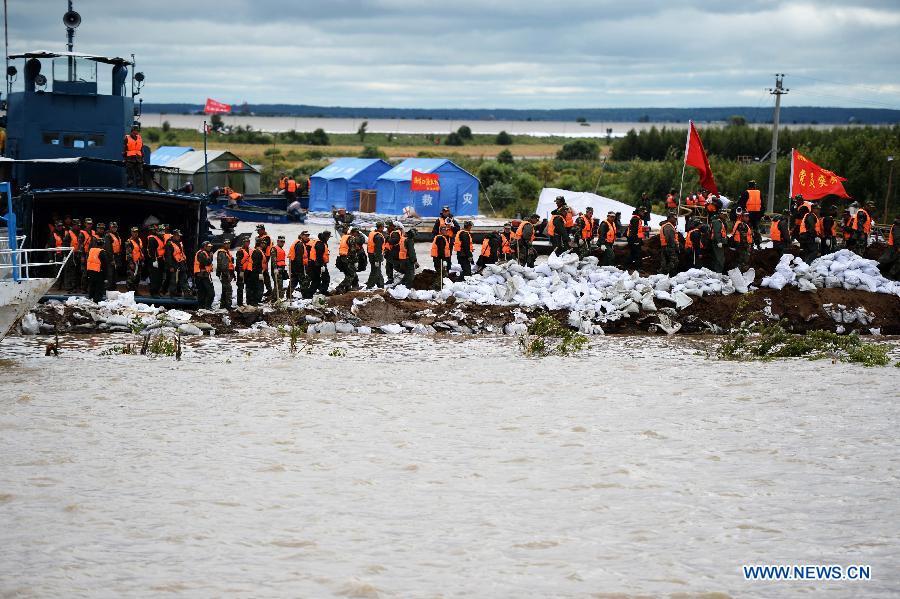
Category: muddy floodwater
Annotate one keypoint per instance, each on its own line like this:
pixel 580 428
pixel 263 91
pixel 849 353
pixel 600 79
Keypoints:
pixel 404 467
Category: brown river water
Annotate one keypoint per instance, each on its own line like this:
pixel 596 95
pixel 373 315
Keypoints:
pixel 413 467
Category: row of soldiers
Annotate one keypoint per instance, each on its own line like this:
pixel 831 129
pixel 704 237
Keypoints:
pixel 101 257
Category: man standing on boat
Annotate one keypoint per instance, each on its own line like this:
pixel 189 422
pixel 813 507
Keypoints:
pixel 133 153
pixel 72 271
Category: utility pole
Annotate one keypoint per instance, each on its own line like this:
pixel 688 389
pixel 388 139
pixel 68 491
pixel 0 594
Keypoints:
pixel 778 91
pixel 887 196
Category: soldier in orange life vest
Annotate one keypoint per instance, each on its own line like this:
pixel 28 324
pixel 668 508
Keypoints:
pixel 266 247
pixel 95 266
pixel 780 232
pixel 392 240
pixel 440 253
pixel 742 234
pixel 606 237
pixel 491 250
pixel 751 201
pixel 278 264
pixel 133 154
pixel 718 237
pixel 507 244
pixel 317 264
pixel 203 267
pixel 668 242
pixel 464 248
pixel 348 256
pixel 375 251
pixel 225 270
pixel 134 259
pixel 693 244
pixel 828 231
pixel 85 238
pixel 635 236
pixel 671 200
pixel 72 271
pixel 290 190
pixel 297 259
pixel 55 241
pixel 165 234
pixel 112 245
pixel 585 231
pixel 556 230
pixel 176 265
pixel 242 267
pixel 253 273
pixel 810 228
pixel 890 259
pixel 445 219
pixel 862 228
pixel 525 252
pixel 155 256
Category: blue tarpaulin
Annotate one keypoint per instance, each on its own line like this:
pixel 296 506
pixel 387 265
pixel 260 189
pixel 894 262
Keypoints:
pixel 165 154
pixel 338 184
pixel 459 189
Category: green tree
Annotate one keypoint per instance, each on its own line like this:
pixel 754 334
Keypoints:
pixel 737 120
pixel 465 132
pixel 493 172
pixel 527 187
pixel 454 139
pixel 362 131
pixel 166 126
pixel 152 136
pixel 503 139
pixel 579 149
pixel 505 157
pixel 372 152
pixel 216 122
pixel 318 138
pixel 502 194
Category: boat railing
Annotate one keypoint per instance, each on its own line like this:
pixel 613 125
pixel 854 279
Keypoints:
pixel 18 264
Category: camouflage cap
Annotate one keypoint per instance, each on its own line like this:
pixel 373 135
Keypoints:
pixel 135 230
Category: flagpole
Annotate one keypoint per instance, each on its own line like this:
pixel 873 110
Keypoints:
pixel 687 143
pixel 205 159
pixel 791 181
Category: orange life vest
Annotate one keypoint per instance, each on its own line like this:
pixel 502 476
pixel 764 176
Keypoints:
pixel 522 227
pixel 402 254
pixel 57 240
pixel 85 237
pixel 891 236
pixel 505 246
pixel 93 260
pixel 116 244
pixel 775 231
pixel 135 146
pixel 722 229
pixel 73 240
pixel 312 251
pixel 486 248
pixel 610 232
pixel 867 226
pixel 243 257
pixel 228 256
pixel 688 244
pixel 736 234
pixel 457 243
pixel 165 238
pixel 570 219
pixel 280 256
pixel 638 223
pixel 298 246
pixel 662 234
pixel 291 186
pixel 160 245
pixel 670 202
pixel 754 200
pixel 551 225
pixel 343 248
pixel 178 252
pixel 370 246
pixel 137 249
pixel 197 267
pixel 588 230
pixel 434 247
pixel 282 183
pixel 817 227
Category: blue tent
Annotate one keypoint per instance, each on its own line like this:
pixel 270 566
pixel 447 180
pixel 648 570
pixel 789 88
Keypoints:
pixel 338 184
pixel 459 189
pixel 166 154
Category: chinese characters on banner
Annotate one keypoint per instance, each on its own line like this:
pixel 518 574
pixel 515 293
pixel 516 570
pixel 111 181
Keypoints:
pixel 424 181
pixel 813 182
pixel 215 107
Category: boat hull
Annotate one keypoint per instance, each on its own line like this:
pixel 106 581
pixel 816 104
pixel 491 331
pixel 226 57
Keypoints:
pixel 17 298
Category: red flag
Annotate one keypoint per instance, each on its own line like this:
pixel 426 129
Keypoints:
pixel 424 181
pixel 695 156
pixel 813 182
pixel 215 107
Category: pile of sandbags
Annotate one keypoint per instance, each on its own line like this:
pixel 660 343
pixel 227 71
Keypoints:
pixel 597 293
pixel 842 269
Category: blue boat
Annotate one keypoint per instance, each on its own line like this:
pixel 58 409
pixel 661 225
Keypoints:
pixel 258 214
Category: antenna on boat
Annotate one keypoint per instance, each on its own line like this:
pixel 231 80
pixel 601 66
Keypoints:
pixel 6 45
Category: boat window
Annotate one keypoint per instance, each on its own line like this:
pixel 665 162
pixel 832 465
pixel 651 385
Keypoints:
pixel 50 138
pixel 95 140
pixel 70 68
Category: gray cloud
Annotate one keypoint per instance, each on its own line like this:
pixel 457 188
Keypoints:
pixel 484 53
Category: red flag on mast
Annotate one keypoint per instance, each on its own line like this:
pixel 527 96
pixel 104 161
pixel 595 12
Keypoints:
pixel 695 156
pixel 216 107
pixel 813 182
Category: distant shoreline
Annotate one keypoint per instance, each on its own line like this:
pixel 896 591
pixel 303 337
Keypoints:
pixel 571 129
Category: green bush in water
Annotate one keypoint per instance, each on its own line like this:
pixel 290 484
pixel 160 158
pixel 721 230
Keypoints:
pixel 547 336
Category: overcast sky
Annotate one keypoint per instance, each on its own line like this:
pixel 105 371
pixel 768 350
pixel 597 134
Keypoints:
pixel 489 53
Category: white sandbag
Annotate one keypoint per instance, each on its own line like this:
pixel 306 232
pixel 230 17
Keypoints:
pixel 737 279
